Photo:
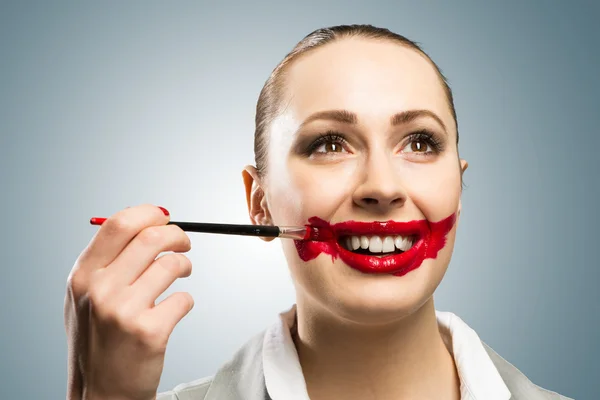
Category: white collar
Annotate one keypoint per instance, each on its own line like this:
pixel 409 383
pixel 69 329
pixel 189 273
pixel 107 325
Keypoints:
pixel 479 377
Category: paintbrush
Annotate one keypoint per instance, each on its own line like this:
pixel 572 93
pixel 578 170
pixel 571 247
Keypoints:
pixel 284 232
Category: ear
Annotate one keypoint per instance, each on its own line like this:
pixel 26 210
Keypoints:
pixel 463 167
pixel 258 207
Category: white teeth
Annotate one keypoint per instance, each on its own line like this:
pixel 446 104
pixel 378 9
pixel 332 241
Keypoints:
pixel 406 244
pixel 379 244
pixel 388 245
pixel 364 242
pixel 398 242
pixel 375 244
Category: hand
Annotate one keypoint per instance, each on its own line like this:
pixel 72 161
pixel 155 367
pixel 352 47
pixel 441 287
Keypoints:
pixel 116 334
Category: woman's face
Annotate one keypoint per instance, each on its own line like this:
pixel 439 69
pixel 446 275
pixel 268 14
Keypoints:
pixel 366 135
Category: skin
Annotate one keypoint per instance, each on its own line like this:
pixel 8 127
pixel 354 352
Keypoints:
pixel 360 336
pixel 116 334
pixel 363 335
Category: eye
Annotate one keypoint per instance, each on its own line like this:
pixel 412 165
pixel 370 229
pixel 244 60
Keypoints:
pixel 417 146
pixel 330 147
pixel 422 143
pixel 328 143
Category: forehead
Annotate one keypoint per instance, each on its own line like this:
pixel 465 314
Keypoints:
pixel 373 78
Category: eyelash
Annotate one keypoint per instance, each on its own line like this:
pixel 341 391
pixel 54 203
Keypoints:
pixel 326 138
pixel 427 137
pixel 424 136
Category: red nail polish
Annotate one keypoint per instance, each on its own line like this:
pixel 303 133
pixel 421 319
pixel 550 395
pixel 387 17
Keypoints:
pixel 164 210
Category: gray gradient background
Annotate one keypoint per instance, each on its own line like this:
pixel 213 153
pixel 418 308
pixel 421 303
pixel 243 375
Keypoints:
pixel 112 105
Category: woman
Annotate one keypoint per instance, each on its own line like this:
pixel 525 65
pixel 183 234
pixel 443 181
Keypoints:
pixel 355 130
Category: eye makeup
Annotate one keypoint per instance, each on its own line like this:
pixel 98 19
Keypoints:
pixel 333 138
pixel 338 142
pixel 427 137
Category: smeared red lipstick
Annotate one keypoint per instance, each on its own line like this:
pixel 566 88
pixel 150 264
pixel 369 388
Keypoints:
pixel 430 239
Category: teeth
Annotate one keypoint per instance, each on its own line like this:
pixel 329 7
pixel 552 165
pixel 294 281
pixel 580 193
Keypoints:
pixel 379 244
pixel 398 242
pixel 375 244
pixel 388 245
pixel 403 243
pixel 364 242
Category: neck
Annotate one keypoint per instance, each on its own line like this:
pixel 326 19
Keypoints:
pixel 404 359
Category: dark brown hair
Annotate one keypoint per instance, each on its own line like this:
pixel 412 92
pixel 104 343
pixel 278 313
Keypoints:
pixel 269 102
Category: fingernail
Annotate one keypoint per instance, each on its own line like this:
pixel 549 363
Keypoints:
pixel 164 210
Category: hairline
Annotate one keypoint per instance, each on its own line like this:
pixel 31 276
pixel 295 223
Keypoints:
pixel 283 98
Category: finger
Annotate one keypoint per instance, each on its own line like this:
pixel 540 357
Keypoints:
pixel 116 233
pixel 166 315
pixel 158 277
pixel 143 250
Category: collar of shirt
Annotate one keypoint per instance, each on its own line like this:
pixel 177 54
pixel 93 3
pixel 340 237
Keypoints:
pixel 479 378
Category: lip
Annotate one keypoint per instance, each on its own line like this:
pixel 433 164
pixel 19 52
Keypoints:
pixel 355 228
pixel 430 238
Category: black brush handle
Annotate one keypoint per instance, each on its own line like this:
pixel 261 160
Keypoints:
pixel 228 229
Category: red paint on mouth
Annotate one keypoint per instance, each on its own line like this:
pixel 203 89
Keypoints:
pixel 430 239
pixel 320 234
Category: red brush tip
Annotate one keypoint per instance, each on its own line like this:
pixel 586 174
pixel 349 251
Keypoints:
pixel 319 234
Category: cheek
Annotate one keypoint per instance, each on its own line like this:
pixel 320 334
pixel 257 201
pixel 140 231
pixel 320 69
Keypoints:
pixel 434 188
pixel 299 192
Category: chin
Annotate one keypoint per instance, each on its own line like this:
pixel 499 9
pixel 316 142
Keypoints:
pixel 370 299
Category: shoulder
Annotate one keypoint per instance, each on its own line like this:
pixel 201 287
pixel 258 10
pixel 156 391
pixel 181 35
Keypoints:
pixel 187 391
pixel 518 384
pixel 243 373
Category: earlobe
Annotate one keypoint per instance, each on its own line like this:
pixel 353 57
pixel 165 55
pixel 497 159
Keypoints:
pixel 463 166
pixel 258 209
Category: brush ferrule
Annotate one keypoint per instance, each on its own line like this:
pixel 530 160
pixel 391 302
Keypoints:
pixel 292 232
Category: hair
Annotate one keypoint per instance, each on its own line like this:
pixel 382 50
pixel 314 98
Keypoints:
pixel 269 101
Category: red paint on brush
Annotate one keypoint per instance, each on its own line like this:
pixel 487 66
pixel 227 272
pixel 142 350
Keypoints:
pixel 430 239
pixel 319 234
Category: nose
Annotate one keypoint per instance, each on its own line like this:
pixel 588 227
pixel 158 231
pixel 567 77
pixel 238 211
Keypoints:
pixel 380 189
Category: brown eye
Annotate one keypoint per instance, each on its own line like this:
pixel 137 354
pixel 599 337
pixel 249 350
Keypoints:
pixel 423 144
pixel 330 143
pixel 418 146
pixel 332 147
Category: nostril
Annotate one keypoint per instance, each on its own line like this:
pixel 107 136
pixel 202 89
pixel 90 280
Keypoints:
pixel 370 201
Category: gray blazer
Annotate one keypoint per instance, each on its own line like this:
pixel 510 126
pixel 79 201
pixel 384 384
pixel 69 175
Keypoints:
pixel 242 378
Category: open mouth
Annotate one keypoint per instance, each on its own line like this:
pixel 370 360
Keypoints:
pixel 377 245
pixel 387 247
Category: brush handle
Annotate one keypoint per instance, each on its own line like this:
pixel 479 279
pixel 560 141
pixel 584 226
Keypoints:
pixel 288 232
pixel 228 229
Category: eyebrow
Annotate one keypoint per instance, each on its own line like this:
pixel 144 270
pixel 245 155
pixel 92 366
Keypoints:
pixel 343 116
pixel 347 117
